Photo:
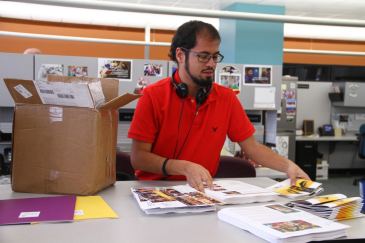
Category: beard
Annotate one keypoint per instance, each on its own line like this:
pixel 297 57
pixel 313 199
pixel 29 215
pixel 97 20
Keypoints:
pixel 201 82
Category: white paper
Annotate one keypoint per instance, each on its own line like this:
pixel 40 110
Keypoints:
pixel 97 93
pixel 270 127
pixel 23 91
pixel 264 97
pixel 64 94
pixel 278 223
pixel 282 145
pixel 79 212
pixel 55 114
pixel 237 192
pixel 29 214
pixel 359 116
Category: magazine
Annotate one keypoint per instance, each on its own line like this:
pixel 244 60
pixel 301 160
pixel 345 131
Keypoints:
pixel 175 199
pixel 302 188
pixel 183 198
pixel 333 206
pixel 238 192
pixel 279 223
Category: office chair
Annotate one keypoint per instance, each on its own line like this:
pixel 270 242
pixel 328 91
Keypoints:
pixel 361 152
pixel 124 169
pixel 231 167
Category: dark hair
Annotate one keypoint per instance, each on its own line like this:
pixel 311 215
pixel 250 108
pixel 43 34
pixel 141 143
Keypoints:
pixel 186 34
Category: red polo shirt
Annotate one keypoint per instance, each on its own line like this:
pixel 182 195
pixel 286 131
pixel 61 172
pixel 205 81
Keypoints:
pixel 164 120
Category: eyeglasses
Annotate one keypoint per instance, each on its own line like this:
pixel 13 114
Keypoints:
pixel 205 57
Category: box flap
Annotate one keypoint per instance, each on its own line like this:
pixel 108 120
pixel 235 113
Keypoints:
pixel 23 91
pixel 110 86
pixel 120 101
pixel 78 94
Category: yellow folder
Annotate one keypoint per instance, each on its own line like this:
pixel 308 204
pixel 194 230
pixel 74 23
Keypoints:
pixel 92 207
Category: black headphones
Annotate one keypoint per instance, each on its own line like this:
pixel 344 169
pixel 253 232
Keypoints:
pixel 182 91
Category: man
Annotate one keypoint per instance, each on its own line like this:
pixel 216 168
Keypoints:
pixel 32 51
pixel 181 122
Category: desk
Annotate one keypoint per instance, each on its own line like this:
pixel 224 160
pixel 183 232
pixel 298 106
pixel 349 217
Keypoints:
pixel 317 138
pixel 133 225
pixel 340 152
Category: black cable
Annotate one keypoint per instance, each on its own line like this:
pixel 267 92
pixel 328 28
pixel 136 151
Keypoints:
pixel 178 127
pixel 187 135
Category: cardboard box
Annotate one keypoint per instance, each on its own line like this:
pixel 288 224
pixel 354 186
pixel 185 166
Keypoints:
pixel 64 149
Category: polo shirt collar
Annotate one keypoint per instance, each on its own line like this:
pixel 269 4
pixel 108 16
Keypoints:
pixel 213 91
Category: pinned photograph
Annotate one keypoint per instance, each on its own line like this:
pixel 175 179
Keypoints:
pixel 115 68
pixel 258 75
pixel 141 84
pixel 154 70
pixel 77 71
pixel 230 77
pixel 47 69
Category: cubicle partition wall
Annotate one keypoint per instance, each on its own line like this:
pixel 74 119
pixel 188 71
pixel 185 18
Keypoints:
pixel 349 115
pixel 313 103
pixel 17 66
pixel 287 117
pixel 255 95
pixel 142 74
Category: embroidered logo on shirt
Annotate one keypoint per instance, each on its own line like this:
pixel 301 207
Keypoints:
pixel 214 129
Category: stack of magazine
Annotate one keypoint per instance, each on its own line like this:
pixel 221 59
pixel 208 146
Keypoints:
pixel 183 198
pixel 333 206
pixel 302 188
pixel 279 223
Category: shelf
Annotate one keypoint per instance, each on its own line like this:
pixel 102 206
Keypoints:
pixel 5 142
pixel 342 104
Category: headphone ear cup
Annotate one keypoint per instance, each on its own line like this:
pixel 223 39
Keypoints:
pixel 182 90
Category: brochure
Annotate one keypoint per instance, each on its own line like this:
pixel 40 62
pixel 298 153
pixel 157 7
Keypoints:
pixel 238 192
pixel 302 188
pixel 332 206
pixel 279 223
pixel 183 198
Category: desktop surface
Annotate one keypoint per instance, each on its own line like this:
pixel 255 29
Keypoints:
pixel 133 225
pixel 316 137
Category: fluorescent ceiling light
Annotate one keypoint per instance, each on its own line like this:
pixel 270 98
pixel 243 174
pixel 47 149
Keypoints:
pixel 95 17
pixel 58 14
pixel 324 32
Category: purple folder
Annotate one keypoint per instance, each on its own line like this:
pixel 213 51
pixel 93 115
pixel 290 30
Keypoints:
pixel 32 210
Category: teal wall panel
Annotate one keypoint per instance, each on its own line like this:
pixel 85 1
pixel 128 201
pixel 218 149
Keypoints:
pixel 252 42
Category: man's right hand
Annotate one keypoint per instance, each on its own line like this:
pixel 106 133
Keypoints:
pixel 197 176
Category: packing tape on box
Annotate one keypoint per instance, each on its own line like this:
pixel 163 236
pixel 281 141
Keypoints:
pixel 55 114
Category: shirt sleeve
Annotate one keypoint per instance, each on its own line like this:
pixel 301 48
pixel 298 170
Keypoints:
pixel 240 127
pixel 144 125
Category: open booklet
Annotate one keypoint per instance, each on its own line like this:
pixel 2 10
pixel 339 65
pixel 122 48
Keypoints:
pixel 279 223
pixel 302 188
pixel 183 198
pixel 333 206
